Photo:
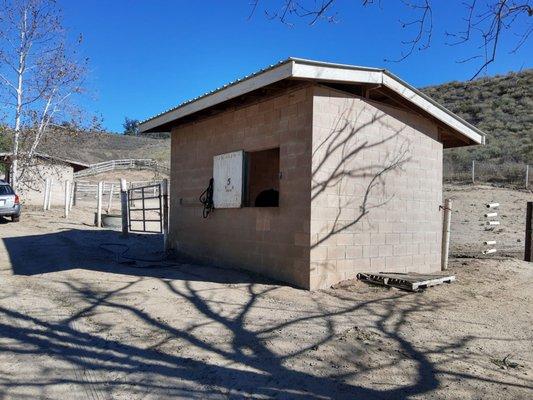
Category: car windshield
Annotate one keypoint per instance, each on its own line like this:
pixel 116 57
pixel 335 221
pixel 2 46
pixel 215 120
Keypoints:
pixel 5 189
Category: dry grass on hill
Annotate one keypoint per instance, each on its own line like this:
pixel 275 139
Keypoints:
pixel 96 147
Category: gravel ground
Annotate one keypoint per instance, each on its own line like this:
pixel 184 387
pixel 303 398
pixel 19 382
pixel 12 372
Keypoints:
pixel 79 319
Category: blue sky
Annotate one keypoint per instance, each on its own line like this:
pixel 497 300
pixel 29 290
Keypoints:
pixel 146 56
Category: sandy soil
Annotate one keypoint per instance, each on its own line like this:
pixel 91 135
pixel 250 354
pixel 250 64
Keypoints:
pixel 81 320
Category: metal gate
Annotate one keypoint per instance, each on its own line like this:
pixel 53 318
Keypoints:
pixel 145 208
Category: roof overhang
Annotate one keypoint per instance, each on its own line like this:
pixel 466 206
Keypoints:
pixel 295 68
pixel 81 164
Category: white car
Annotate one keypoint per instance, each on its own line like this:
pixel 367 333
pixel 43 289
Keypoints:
pixel 9 202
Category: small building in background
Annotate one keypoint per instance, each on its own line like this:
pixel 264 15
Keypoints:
pixel 32 176
pixel 317 171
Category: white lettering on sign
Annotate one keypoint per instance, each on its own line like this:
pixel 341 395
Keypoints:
pixel 228 179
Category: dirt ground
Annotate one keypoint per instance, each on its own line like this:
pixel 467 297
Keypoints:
pixel 468 230
pixel 81 319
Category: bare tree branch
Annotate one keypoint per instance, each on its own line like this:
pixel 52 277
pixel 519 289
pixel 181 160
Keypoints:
pixel 486 22
pixel 423 27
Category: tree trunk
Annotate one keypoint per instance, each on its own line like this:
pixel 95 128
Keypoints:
pixel 18 111
pixel 16 138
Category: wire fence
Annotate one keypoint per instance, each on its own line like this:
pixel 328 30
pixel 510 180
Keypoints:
pixel 515 174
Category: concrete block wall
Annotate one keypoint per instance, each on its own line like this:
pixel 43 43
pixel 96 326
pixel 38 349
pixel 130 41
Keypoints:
pixel 366 214
pixel 271 241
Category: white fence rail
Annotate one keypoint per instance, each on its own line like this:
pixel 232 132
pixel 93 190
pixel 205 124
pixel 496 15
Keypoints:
pixel 113 165
pixel 89 190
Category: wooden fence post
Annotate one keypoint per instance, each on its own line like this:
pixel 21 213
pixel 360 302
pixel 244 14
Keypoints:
pixel 527 175
pixel 46 189
pixel 74 193
pixel 99 204
pixel 473 171
pixel 446 221
pixel 67 198
pixel 165 216
pixel 71 194
pixel 49 198
pixel 528 253
pixel 124 205
pixel 110 201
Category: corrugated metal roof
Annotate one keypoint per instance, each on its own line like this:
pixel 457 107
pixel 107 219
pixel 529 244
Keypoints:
pixel 298 68
pixel 218 89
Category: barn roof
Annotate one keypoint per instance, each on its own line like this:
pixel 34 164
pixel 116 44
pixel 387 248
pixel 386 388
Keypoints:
pixel 49 157
pixel 457 131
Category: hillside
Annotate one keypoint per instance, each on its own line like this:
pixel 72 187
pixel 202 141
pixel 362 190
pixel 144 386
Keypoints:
pixel 502 107
pixel 96 147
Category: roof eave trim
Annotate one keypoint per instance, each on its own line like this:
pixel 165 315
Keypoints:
pixel 346 74
pixel 319 71
pixel 426 103
pixel 278 73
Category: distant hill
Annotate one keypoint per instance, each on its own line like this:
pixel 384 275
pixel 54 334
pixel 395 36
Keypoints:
pixel 502 107
pixel 95 147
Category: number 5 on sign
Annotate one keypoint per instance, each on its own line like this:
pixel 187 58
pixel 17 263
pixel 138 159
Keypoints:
pixel 228 180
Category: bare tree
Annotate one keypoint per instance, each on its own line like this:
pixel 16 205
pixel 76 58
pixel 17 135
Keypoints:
pixel 486 22
pixel 39 75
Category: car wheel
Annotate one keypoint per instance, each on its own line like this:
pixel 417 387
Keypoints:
pixel 15 218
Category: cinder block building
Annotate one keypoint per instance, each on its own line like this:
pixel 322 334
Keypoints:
pixel 320 171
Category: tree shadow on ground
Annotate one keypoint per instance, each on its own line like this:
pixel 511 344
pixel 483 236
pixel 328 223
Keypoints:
pixel 244 355
pixel 108 251
pixel 223 346
pixel 250 367
pixel 245 365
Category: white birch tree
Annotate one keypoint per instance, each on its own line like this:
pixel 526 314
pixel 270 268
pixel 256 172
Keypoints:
pixel 39 74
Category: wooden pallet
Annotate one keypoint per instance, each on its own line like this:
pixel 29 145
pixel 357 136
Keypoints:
pixel 412 281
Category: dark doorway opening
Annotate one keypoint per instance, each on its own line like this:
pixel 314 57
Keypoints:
pixel 262 178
